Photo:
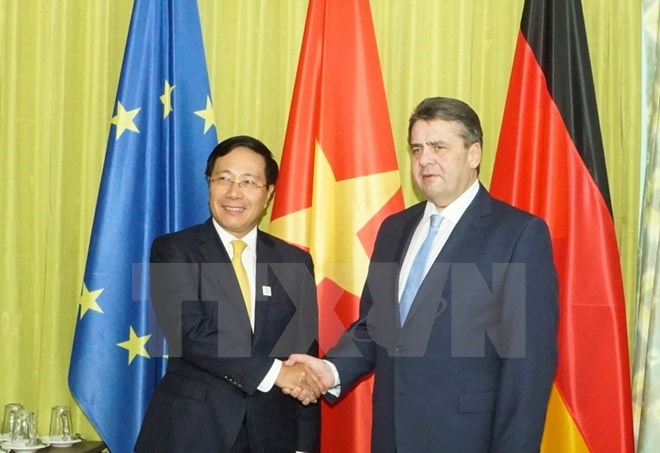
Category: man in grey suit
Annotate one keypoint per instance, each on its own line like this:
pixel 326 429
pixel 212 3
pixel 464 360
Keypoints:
pixel 232 301
pixel 458 317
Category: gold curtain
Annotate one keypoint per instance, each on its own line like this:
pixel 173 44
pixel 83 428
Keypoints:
pixel 59 68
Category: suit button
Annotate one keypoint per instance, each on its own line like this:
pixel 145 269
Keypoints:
pixel 399 348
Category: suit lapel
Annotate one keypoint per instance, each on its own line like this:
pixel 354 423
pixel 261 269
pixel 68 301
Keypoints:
pixel 468 229
pixel 407 232
pixel 219 274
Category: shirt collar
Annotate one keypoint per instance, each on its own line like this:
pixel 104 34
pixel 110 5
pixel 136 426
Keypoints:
pixel 250 239
pixel 454 210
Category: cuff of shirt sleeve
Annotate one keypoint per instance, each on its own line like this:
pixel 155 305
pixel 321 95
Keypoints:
pixel 335 390
pixel 269 380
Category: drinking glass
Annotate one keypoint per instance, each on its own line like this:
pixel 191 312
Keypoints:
pixel 24 430
pixel 60 423
pixel 9 419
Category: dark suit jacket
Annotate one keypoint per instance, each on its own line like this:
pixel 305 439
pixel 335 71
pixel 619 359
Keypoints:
pixel 215 361
pixel 471 369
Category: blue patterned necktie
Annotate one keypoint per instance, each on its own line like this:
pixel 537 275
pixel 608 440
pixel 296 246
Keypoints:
pixel 417 269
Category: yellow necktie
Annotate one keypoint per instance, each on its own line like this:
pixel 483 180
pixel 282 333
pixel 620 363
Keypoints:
pixel 241 274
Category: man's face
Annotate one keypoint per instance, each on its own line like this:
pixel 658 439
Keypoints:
pixel 442 166
pixel 238 210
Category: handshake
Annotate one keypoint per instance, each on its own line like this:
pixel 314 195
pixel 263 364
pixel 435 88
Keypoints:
pixel 305 378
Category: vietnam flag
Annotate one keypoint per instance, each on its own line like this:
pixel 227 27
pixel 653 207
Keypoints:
pixel 339 179
pixel 550 162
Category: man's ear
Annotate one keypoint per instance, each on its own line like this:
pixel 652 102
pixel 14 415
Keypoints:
pixel 474 155
pixel 271 191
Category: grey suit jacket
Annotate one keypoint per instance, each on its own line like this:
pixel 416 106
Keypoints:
pixel 472 367
pixel 215 361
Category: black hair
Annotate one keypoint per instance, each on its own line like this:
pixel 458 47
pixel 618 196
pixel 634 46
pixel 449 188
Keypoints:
pixel 224 147
pixel 449 109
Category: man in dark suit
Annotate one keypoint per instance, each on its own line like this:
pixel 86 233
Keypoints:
pixel 458 317
pixel 232 301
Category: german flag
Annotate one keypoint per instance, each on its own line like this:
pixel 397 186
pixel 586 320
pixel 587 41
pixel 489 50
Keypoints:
pixel 550 162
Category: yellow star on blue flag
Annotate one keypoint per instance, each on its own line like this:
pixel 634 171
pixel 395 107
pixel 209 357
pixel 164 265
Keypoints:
pixel 208 114
pixel 88 301
pixel 124 120
pixel 135 345
pixel 166 99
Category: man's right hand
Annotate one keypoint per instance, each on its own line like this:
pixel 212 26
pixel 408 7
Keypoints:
pixel 298 380
pixel 319 367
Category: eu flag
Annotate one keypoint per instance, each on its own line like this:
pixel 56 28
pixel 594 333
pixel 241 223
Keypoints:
pixel 162 130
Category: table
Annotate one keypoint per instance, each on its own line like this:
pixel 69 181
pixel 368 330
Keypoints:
pixel 88 446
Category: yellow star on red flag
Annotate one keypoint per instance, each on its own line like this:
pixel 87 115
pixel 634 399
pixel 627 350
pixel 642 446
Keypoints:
pixel 329 228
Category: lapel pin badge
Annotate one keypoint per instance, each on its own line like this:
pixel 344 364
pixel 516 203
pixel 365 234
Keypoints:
pixel 266 290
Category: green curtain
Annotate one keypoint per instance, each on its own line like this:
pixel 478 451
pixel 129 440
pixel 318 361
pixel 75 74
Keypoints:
pixel 59 67
pixel 646 363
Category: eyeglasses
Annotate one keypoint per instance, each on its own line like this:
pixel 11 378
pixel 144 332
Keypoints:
pixel 247 185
